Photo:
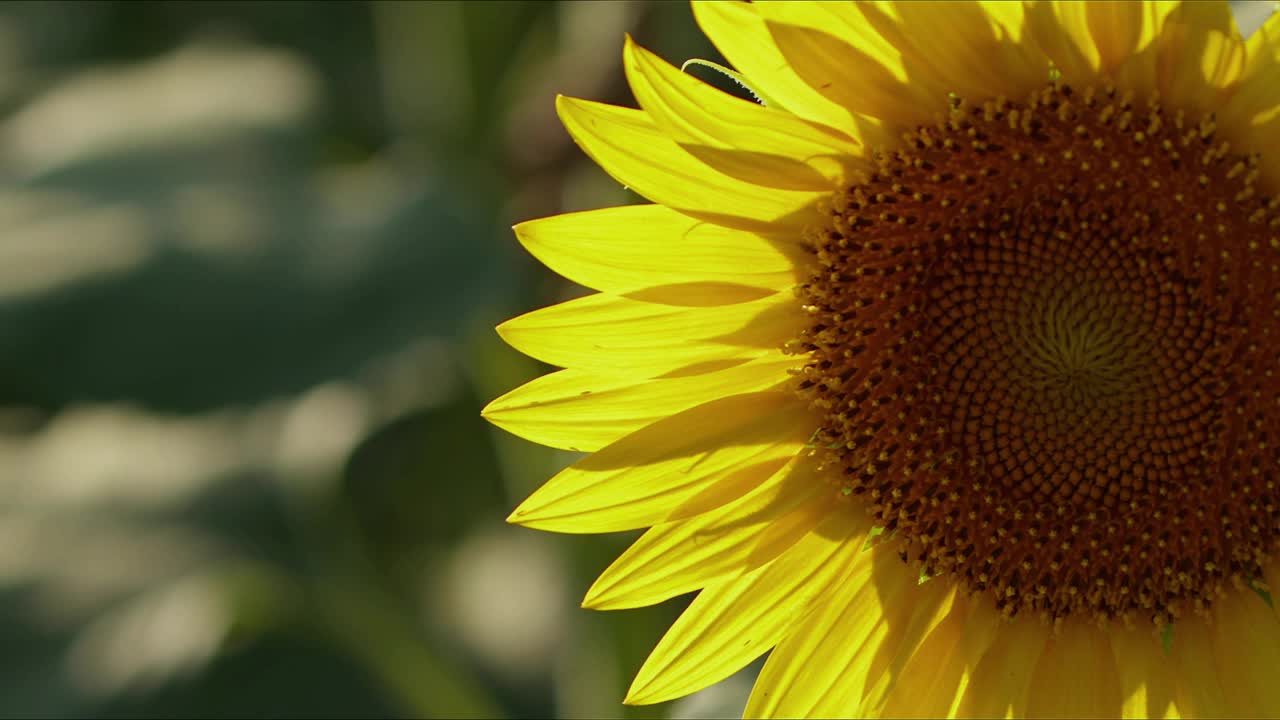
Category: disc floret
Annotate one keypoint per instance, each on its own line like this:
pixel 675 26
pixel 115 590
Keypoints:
pixel 1042 344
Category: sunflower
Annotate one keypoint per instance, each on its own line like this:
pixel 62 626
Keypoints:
pixel 947 373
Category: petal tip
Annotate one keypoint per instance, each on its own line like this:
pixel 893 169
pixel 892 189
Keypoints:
pixel 540 518
pixel 504 330
pixel 636 696
pixel 595 599
pixel 492 408
pixel 647 690
pixel 527 514
pixel 632 51
pixel 523 229
pixel 603 595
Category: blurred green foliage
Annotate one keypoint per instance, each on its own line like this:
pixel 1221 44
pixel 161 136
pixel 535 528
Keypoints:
pixel 252 257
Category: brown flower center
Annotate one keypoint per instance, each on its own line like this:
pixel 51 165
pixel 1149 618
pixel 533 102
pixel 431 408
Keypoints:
pixel 1044 343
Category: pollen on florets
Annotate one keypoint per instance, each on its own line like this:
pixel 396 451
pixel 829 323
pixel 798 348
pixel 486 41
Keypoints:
pixel 1043 340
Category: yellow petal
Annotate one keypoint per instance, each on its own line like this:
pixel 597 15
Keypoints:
pixel 1146 673
pixel 1263 48
pixel 1251 118
pixel 999 684
pixel 1061 30
pixel 1118 29
pixel 1200 55
pixel 640 479
pixel 972 49
pixel 1272 22
pixel 741 36
pixel 1201 691
pixel 1246 637
pixel 584 411
pixel 699 294
pixel 1088 41
pixel 627 144
pixel 798 672
pixel 743 139
pixel 932 681
pixel 623 249
pixel 1138 72
pixel 682 556
pixel 824 665
pixel 930 605
pixel 839 54
pixel 623 337
pixel 734 621
pixel 1075 676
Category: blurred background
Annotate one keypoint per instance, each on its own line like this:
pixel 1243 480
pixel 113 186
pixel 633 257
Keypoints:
pixel 251 257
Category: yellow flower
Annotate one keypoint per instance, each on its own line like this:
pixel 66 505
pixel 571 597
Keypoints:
pixel 950 376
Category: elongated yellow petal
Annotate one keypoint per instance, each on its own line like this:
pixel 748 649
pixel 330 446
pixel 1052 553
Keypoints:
pixel 1246 635
pixel 966 48
pixel 1138 72
pixel 999 684
pixel 757 144
pixel 831 657
pixel 734 621
pixel 1145 672
pixel 1090 41
pixel 699 294
pixel 1118 29
pixel 1263 45
pixel 637 154
pixel 1061 29
pixel 930 605
pixel 740 35
pixel 1075 676
pixel 584 411
pixel 933 680
pixel 1200 56
pixel 682 556
pixel 1201 691
pixel 640 479
pixel 1251 118
pixel 795 675
pixel 839 54
pixel 624 249
pixel 1257 93
pixel 623 337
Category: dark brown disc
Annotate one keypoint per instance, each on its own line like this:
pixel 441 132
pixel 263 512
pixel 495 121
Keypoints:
pixel 1044 342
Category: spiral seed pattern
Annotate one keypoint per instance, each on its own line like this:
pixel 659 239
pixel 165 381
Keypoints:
pixel 1044 338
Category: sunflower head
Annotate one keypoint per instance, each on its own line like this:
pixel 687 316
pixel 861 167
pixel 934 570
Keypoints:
pixel 949 375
